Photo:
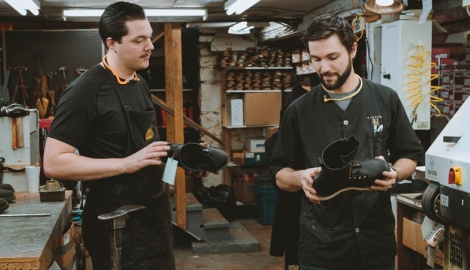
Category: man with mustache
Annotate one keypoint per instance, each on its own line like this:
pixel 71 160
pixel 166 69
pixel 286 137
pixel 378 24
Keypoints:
pixel 355 228
pixel 108 116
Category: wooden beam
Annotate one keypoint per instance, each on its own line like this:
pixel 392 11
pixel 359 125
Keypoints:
pixel 174 99
pixel 157 37
pixel 186 119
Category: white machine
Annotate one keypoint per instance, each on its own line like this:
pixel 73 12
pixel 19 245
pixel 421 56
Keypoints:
pixel 405 67
pixel 18 157
pixel 447 198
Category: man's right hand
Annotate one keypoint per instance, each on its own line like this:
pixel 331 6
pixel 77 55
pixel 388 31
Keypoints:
pixel 306 182
pixel 147 156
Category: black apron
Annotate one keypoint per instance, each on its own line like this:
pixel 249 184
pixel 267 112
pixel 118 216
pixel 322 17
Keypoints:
pixel 147 241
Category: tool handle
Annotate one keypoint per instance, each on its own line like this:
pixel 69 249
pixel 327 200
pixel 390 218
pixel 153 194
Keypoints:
pixel 14 143
pixel 19 133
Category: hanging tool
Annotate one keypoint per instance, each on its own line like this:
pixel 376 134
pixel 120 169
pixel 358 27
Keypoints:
pixel 65 84
pixel 80 71
pixel 42 103
pixel 22 87
pixel 37 78
pixel 51 92
pixel 25 215
pixel 4 93
pixel 14 94
pixel 15 111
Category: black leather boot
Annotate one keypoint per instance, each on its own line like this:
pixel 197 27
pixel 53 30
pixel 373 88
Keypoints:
pixel 7 187
pixel 3 205
pixel 195 157
pixel 340 172
pixel 7 195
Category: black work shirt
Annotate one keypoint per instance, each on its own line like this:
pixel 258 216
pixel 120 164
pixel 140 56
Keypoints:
pixel 354 229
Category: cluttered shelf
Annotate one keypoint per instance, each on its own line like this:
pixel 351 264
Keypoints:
pixel 256 91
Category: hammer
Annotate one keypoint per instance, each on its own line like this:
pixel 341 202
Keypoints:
pixel 116 221
pixel 15 111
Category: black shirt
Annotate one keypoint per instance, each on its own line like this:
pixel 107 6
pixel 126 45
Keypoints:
pixel 355 228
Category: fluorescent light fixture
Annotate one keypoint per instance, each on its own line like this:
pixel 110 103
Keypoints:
pixel 384 3
pixel 21 6
pixel 210 24
pixel 82 12
pixel 167 12
pixel 238 32
pixel 243 28
pixel 239 6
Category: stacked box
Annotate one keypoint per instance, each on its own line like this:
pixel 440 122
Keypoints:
pixel 447 92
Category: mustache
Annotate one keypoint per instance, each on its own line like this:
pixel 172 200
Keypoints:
pixel 329 74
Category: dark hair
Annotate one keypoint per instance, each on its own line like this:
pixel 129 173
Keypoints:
pixel 113 20
pixel 325 26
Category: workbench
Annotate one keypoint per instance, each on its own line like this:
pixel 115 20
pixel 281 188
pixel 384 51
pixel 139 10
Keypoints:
pixel 29 242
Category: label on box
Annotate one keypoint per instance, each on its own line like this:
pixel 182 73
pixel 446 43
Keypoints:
pixel 250 155
pixel 66 239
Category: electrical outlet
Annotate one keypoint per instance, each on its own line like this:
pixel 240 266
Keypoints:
pixel 465 3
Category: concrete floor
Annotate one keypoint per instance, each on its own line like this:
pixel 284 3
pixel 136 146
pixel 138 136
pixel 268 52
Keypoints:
pixel 186 259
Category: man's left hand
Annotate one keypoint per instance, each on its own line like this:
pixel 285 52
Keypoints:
pixel 384 185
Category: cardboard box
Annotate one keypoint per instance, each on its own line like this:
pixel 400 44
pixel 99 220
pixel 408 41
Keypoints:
pixel 248 158
pixel 413 238
pixel 238 158
pixel 270 131
pixel 245 192
pixel 255 145
pixel 64 254
pixel 262 109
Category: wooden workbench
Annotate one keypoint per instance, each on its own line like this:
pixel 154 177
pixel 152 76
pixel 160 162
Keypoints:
pixel 29 242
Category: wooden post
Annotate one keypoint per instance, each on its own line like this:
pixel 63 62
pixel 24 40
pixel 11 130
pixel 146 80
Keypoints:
pixel 174 99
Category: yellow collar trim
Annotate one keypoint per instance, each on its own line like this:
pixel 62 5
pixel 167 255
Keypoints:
pixel 325 99
pixel 119 79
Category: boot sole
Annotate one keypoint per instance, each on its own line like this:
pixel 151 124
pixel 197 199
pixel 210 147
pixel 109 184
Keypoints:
pixel 324 198
pixel 4 208
pixel 9 198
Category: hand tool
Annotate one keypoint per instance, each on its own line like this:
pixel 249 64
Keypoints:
pixel 116 221
pixel 51 92
pixel 4 93
pixel 23 87
pixel 14 94
pixel 65 84
pixel 80 71
pixel 24 215
pixel 3 168
pixel 15 111
pixel 37 78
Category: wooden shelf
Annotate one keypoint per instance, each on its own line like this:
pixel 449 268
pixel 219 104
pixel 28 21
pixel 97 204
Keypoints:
pixel 261 126
pixel 163 90
pixel 259 68
pixel 255 91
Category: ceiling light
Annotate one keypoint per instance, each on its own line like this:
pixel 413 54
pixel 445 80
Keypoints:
pixel 238 32
pixel 384 3
pixel 239 6
pixel 210 24
pixel 148 12
pixel 176 12
pixel 377 6
pixel 21 6
pixel 243 28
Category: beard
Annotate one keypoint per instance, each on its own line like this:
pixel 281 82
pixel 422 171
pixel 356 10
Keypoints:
pixel 341 78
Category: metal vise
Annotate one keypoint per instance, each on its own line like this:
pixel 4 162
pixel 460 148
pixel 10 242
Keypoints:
pixel 116 221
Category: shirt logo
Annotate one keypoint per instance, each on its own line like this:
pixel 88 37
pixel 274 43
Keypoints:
pixel 376 124
pixel 149 134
